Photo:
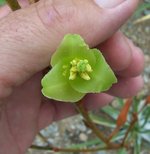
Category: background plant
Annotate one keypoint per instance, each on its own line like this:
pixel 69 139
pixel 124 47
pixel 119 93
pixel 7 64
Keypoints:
pixel 127 125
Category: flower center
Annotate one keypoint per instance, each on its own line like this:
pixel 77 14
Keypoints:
pixel 81 68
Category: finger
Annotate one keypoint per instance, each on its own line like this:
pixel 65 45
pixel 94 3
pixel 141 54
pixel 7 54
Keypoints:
pixel 136 65
pixel 108 4
pixel 124 58
pixel 126 87
pixel 27 41
pixel 23 3
pixel 54 111
pixel 117 52
pixel 20 115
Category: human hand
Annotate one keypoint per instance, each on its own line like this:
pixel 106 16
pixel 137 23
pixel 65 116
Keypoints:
pixel 29 36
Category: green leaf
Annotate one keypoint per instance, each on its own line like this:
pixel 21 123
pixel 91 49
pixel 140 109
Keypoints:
pixel 102 77
pixel 102 121
pixel 111 111
pixel 122 151
pixel 137 145
pixel 141 8
pixel 73 46
pixel 89 143
pixel 55 86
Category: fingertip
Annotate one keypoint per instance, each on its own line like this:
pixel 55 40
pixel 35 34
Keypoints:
pixel 127 87
pixel 108 3
pixel 117 52
pixel 122 12
pixel 94 101
pixel 137 63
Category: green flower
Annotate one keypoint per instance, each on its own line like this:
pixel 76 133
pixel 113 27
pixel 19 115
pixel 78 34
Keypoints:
pixel 76 71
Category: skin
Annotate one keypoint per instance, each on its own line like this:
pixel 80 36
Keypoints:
pixel 29 37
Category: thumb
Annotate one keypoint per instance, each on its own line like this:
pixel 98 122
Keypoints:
pixel 29 36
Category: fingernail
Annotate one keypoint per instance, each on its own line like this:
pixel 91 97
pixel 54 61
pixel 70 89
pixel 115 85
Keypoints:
pixel 108 3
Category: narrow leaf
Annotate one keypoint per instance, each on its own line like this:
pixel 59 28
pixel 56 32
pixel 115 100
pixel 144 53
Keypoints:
pixel 148 100
pixel 124 112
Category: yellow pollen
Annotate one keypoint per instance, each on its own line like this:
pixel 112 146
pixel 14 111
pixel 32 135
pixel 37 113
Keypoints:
pixel 84 76
pixel 72 75
pixel 81 68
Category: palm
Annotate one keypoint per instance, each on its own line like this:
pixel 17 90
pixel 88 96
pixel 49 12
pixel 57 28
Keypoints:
pixel 24 113
pixel 20 116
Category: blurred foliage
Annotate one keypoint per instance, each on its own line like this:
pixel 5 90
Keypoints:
pixel 143 9
pixel 136 135
pixel 133 134
pixel 2 2
pixel 139 136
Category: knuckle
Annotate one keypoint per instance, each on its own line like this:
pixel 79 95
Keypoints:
pixel 6 86
pixel 54 13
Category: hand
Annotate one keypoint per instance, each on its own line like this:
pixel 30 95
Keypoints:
pixel 29 36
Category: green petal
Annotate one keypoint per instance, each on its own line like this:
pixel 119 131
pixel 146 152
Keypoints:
pixel 102 77
pixel 56 86
pixel 73 46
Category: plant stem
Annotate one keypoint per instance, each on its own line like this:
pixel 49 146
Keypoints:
pixel 115 131
pixel 80 107
pixel 43 138
pixel 109 146
pixel 134 120
pixel 14 5
pixel 56 149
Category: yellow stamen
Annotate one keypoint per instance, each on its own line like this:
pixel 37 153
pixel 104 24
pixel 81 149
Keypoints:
pixel 88 68
pixel 81 68
pixel 72 75
pixel 85 76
